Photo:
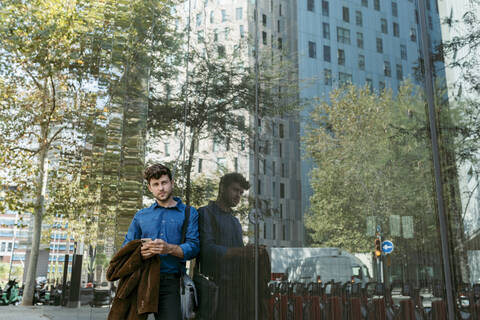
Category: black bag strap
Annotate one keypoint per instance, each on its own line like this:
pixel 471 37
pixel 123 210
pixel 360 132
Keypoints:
pixel 184 235
pixel 185 224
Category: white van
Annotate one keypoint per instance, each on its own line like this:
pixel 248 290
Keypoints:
pixel 341 267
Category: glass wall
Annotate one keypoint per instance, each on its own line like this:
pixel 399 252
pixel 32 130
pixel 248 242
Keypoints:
pixel 354 123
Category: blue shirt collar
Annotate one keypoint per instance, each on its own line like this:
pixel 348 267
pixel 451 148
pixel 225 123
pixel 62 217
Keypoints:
pixel 180 206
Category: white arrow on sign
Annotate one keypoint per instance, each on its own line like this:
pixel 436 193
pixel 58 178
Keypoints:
pixel 387 246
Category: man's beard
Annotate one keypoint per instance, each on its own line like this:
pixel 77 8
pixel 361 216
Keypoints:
pixel 165 197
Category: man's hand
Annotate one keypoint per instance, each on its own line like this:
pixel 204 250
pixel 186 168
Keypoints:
pixel 158 246
pixel 145 250
pixel 234 252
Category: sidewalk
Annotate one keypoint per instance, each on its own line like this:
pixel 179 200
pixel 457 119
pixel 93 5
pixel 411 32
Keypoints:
pixel 52 313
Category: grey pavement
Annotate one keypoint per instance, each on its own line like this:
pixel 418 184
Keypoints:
pixel 53 313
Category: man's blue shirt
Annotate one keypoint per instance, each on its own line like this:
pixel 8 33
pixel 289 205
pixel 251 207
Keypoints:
pixel 157 222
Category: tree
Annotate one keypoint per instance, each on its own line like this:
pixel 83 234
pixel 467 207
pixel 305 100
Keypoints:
pixel 45 96
pixel 372 157
pixel 216 99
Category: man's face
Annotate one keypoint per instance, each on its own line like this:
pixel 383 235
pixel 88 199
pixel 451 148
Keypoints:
pixel 232 194
pixel 161 188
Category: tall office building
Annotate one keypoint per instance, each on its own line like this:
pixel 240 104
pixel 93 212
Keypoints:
pixel 366 42
pixel 454 12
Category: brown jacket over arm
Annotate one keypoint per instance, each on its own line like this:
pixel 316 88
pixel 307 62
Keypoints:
pixel 137 292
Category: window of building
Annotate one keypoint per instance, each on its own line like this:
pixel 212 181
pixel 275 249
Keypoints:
pixel 325 8
pixel 200 165
pixel 274 189
pixel 381 85
pixel 200 36
pixel 361 62
pixel 394 9
pixel 278 26
pixel 280 130
pixel 341 57
pixel 280 9
pixel 430 23
pixel 326 54
pixel 281 211
pixel 264 20
pixel 399 72
pixel 376 5
pixel 212 16
pixel 369 83
pixel 379 45
pixel 215 35
pixel 9 247
pixel 3 246
pixel 280 151
pixel 326 30
pixel 264 230
pixel 343 35
pixel 264 37
pixel 199 19
pixel 274 231
pixel 396 30
pixel 166 148
pixel 312 49
pixel 403 51
pixel 384 25
pixel 365 3
pixel 242 143
pixel 273 168
pixel 283 170
pixel 360 40
pixel 344 78
pixel 387 70
pixel 280 43
pixel 221 51
pixel 327 77
pixel 259 186
pixel 282 190
pixel 284 232
pixel 310 5
pixel 346 14
pixel 413 34
pixel 226 31
pixel 358 18
pixel 239 13
pixel 224 15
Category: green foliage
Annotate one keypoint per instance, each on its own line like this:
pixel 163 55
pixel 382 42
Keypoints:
pixel 372 159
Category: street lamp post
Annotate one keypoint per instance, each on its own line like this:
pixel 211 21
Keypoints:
pixel 12 252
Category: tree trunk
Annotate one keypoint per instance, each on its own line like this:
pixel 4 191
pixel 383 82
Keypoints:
pixel 191 152
pixel 30 279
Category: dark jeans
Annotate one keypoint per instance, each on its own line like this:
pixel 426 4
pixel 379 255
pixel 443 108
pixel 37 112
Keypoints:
pixel 169 299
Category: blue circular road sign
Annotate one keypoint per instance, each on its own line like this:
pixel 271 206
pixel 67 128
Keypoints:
pixel 387 246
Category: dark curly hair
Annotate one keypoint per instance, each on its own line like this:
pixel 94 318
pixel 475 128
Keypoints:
pixel 230 178
pixel 155 171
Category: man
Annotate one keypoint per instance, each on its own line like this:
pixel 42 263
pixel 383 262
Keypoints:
pixel 219 229
pixel 223 256
pixel 160 226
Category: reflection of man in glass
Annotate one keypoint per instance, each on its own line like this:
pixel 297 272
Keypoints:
pixel 221 243
pixel 162 224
